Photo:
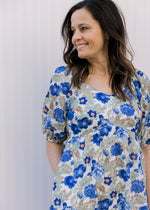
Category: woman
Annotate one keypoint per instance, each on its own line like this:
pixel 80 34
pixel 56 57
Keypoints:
pixel 96 116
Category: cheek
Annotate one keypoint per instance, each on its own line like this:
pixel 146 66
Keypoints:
pixel 73 40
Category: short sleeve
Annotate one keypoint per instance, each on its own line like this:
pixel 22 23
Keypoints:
pixel 54 108
pixel 142 85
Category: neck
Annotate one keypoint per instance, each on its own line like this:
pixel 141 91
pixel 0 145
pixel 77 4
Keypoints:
pixel 99 65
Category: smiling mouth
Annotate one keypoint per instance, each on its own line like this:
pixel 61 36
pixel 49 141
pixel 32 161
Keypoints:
pixel 81 46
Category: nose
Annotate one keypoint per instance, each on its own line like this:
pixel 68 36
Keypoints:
pixel 76 36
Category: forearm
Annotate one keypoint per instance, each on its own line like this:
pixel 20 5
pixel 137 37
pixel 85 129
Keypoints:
pixel 146 152
pixel 54 153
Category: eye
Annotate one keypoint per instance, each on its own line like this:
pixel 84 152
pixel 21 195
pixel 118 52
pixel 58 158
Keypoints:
pixel 84 28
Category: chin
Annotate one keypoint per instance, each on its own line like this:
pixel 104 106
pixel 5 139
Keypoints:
pixel 82 56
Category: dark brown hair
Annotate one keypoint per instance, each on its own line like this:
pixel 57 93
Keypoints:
pixel 112 22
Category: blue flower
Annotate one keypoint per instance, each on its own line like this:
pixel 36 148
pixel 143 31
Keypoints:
pixel 59 115
pixel 54 186
pixel 129 165
pixel 52 208
pixel 92 113
pixel 113 194
pixel 65 207
pixel 116 149
pixel 137 186
pixel 48 123
pixel 106 153
pixel 74 140
pixel 147 120
pixel 116 111
pixel 144 208
pixel 104 126
pixel 65 87
pixel 107 180
pixel 140 167
pixel 60 135
pixel 129 141
pixel 133 156
pixel 97 139
pixel 55 89
pixel 69 93
pixel 83 100
pixel 138 86
pixel 79 171
pixel 75 128
pixel 97 170
pixel 66 156
pixel 125 175
pixel 57 202
pixel 47 95
pixel 82 145
pixel 104 204
pixel 123 204
pixel 148 141
pixel 89 191
pixel 129 94
pixel 147 98
pixel 60 69
pixel 84 123
pixel 80 195
pixel 127 109
pixel 140 73
pixel 104 98
pixel 87 160
pixel 70 114
pixel 121 132
pixel 70 181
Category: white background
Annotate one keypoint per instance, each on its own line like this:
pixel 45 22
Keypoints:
pixel 30 50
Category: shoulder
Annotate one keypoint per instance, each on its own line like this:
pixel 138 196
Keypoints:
pixel 141 78
pixel 61 75
pixel 60 82
pixel 141 83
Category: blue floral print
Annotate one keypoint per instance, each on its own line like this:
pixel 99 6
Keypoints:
pixel 102 97
pixel 70 114
pixel 137 186
pixel 59 115
pixel 104 204
pixel 125 175
pixel 84 123
pixel 97 170
pixel 57 202
pixel 107 180
pixel 97 139
pixel 89 191
pixel 66 156
pixel 116 149
pixel 60 69
pixel 92 113
pixel 70 181
pixel 55 90
pixel 127 109
pixel 79 171
pixel 65 87
pixel 122 202
pixel 83 100
pixel 102 162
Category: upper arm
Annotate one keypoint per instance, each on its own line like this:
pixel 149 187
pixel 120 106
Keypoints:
pixel 54 109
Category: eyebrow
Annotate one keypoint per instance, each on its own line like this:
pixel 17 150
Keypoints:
pixel 81 24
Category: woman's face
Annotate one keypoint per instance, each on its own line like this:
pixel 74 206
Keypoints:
pixel 88 37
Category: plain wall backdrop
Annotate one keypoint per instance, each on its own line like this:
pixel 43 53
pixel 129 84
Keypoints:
pixel 30 50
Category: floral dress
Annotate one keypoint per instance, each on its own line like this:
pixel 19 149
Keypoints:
pixel 102 164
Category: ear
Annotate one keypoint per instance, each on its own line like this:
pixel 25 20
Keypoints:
pixel 106 36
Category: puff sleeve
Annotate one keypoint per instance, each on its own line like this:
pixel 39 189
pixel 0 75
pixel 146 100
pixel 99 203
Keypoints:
pixel 143 93
pixel 54 108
